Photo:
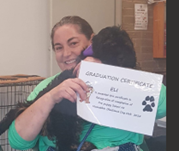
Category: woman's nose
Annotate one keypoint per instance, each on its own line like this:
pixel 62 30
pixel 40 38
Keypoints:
pixel 67 52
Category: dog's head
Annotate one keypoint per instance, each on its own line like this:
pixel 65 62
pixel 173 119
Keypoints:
pixel 113 46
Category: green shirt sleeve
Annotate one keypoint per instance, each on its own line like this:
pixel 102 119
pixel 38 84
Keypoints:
pixel 17 142
pixel 161 111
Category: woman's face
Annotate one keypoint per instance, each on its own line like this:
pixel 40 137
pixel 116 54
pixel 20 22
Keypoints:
pixel 68 45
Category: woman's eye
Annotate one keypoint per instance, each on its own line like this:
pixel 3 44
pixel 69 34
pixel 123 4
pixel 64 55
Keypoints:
pixel 73 43
pixel 58 48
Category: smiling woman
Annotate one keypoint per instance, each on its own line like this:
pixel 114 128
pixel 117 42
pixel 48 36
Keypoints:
pixel 68 45
pixel 70 37
pixel 68 41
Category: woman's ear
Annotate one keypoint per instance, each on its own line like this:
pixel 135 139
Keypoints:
pixel 92 35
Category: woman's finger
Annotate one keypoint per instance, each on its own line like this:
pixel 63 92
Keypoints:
pixel 76 70
pixel 70 95
pixel 80 87
pixel 92 59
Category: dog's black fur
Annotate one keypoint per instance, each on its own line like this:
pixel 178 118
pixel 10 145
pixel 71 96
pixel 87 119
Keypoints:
pixel 112 46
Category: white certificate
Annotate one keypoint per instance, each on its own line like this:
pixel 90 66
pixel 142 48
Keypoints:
pixel 119 97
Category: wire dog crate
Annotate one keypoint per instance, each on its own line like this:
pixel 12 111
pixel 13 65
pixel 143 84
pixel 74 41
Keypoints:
pixel 14 89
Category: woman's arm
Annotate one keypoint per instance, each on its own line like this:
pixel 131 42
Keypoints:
pixel 29 123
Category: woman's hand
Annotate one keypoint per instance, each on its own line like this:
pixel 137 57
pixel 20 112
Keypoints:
pixel 30 122
pixel 68 89
pixel 90 59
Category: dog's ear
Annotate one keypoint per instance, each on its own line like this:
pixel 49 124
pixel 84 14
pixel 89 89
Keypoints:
pixel 12 115
pixel 7 120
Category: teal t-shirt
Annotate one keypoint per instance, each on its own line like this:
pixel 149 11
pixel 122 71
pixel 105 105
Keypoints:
pixel 100 136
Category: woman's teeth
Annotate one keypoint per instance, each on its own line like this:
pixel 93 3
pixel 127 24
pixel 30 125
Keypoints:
pixel 71 61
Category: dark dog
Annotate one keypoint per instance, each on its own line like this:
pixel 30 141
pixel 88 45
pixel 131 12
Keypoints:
pixel 112 46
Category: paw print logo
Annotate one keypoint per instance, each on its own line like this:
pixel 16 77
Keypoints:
pixel 149 104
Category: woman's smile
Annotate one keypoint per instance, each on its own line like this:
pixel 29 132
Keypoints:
pixel 71 61
pixel 68 45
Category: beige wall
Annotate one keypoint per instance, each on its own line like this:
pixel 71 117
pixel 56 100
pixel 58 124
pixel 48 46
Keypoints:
pixel 24 37
pixel 143 40
pixel 25 34
pixel 25 30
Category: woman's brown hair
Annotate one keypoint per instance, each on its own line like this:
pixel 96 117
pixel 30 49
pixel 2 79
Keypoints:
pixel 84 26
